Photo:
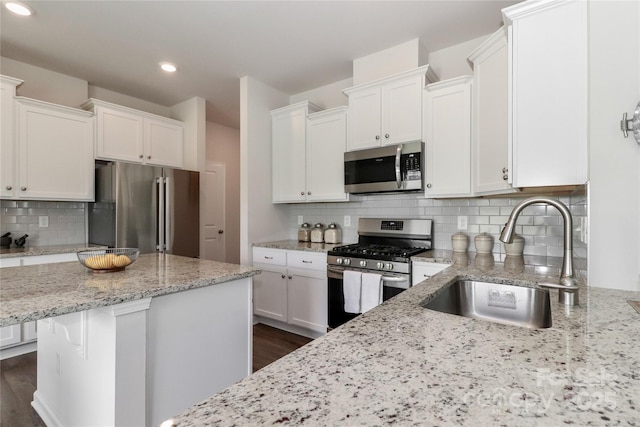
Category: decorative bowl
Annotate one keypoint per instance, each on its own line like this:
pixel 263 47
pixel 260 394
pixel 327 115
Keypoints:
pixel 108 260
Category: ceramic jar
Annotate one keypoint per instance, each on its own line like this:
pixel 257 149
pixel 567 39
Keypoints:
pixel 304 233
pixel 516 247
pixel 459 242
pixel 484 243
pixel 332 234
pixel 317 233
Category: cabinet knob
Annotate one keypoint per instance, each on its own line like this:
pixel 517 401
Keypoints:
pixel 23 188
pixel 141 156
pixel 148 157
pixel 283 276
pixel 505 177
pixel 290 277
pixel 302 193
pixel 308 193
pixel 505 170
pixel 8 187
pixel 386 135
pixel 428 185
pixel 377 136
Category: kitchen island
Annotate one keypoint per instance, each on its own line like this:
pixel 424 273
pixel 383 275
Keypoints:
pixel 132 347
pixel 406 365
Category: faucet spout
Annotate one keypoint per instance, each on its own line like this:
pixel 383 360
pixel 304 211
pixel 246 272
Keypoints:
pixel 568 284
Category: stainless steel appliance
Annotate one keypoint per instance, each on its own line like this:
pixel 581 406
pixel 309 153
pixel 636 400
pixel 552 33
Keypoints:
pixel 393 168
pixel 385 246
pixel 152 208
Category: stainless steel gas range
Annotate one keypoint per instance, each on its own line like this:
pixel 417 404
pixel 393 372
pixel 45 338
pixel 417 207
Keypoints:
pixel 385 247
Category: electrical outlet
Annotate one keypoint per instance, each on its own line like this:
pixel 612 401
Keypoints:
pixel 347 221
pixel 300 220
pixel 462 222
pixel 43 221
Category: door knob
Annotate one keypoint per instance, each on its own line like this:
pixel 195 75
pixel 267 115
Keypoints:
pixel 220 231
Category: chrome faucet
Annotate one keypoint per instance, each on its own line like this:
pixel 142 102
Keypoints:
pixel 568 284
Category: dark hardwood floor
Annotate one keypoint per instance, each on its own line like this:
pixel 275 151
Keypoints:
pixel 18 374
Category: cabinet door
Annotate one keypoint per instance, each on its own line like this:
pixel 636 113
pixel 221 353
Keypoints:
pixel 402 111
pixel 29 331
pixel 423 270
pixel 307 299
pixel 8 184
pixel 364 119
pixel 10 335
pixel 270 292
pixel 289 156
pixel 49 259
pixel 490 117
pixel 119 135
pixel 448 138
pixel 163 143
pixel 326 144
pixel 55 153
pixel 549 91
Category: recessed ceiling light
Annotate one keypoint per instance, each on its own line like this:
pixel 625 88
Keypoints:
pixel 168 67
pixel 18 8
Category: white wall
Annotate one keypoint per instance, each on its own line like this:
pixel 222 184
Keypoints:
pixel 260 220
pixel 325 97
pixel 223 146
pixel 452 61
pixel 403 57
pixel 614 162
pixel 193 113
pixel 128 101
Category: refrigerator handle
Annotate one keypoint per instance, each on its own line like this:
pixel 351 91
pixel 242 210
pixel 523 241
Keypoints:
pixel 161 211
pixel 167 215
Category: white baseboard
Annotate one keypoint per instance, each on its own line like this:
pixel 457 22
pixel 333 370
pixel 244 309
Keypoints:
pixel 43 410
pixel 287 327
pixel 18 350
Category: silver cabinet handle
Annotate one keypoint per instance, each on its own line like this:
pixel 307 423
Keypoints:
pixel 377 136
pixel 428 185
pixel 9 187
pixel 386 135
pixel 268 257
pixel 23 188
pixel 307 262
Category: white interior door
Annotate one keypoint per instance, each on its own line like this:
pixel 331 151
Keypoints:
pixel 214 221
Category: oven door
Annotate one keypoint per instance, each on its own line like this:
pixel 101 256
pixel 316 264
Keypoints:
pixel 392 285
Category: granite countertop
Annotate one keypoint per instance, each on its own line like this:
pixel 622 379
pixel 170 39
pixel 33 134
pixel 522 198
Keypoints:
pixel 45 250
pixel 41 291
pixel 402 364
pixel 294 245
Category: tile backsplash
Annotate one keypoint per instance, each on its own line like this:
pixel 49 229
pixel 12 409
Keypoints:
pixel 66 221
pixel 540 225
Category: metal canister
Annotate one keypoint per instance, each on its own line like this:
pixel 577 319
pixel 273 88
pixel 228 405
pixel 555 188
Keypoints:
pixel 333 234
pixel 317 233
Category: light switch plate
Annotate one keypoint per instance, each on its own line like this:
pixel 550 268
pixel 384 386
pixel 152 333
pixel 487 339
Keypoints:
pixel 347 221
pixel 43 221
pixel 463 222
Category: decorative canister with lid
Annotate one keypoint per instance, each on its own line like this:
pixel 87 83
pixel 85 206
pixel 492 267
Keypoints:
pixel 459 242
pixel 332 234
pixel 317 233
pixel 304 233
pixel 516 247
pixel 484 243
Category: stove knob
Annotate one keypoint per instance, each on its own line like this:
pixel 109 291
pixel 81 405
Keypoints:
pixel 380 265
pixel 347 261
pixel 389 266
pixel 339 261
pixel 363 263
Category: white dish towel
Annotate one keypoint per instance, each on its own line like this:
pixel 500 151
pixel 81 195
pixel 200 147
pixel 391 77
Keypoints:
pixel 351 288
pixel 371 291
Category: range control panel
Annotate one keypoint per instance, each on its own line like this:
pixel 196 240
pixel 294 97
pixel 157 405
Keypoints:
pixel 392 225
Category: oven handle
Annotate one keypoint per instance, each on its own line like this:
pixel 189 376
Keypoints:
pixel 398 157
pixel 384 278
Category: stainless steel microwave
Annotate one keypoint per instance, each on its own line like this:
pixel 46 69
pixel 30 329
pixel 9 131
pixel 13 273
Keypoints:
pixel 392 168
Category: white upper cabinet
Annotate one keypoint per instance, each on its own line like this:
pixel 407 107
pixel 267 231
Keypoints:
pixel 548 92
pixel 447 125
pixel 52 150
pixel 135 136
pixel 490 127
pixel 326 144
pixel 308 153
pixel 387 111
pixel 8 149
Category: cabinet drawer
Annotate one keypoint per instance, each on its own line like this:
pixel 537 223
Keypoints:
pixel 422 271
pixel 307 260
pixel 269 256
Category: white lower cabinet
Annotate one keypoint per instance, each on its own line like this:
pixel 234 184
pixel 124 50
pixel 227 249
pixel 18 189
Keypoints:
pixel 292 289
pixel 20 339
pixel 423 270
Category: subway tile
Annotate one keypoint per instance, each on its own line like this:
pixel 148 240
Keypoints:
pixel 8 204
pixel 489 210
pixel 8 219
pixel 546 220
pixel 491 229
pixel 27 204
pixel 498 220
pixel 478 219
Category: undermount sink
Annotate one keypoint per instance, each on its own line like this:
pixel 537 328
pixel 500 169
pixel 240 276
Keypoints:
pixel 495 302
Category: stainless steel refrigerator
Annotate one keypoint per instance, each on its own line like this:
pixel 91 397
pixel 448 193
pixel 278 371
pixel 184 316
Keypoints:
pixel 152 208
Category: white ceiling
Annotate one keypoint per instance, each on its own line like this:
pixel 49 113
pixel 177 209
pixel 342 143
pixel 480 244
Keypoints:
pixel 292 46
